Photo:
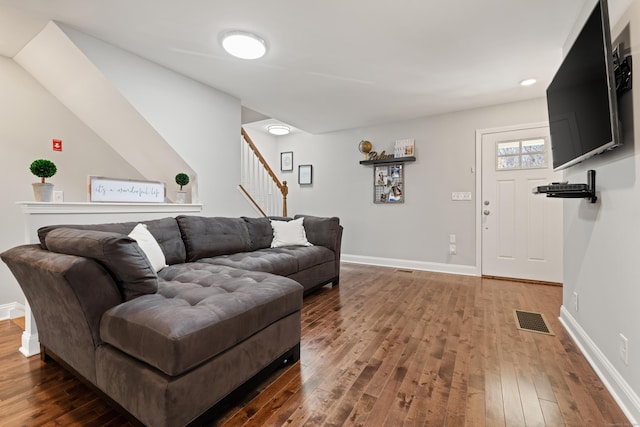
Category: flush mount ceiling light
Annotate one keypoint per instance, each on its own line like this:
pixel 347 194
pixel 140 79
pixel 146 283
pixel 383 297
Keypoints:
pixel 528 82
pixel 243 45
pixel 279 130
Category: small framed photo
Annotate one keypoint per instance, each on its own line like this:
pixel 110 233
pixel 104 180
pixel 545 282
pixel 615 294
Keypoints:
pixel 286 161
pixel 305 174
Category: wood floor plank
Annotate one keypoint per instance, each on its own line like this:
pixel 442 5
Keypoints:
pixel 385 348
pixel 552 414
pixel 411 383
pixel 422 410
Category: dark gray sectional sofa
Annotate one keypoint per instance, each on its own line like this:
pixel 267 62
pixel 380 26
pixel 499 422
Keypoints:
pixel 168 346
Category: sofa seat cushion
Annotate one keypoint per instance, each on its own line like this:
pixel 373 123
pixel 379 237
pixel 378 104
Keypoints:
pixel 283 261
pixel 200 311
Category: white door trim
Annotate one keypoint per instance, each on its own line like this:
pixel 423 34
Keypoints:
pixel 479 134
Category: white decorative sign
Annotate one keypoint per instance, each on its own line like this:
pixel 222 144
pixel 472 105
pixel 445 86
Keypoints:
pixel 125 190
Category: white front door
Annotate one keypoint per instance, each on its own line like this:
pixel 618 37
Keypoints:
pixel 521 231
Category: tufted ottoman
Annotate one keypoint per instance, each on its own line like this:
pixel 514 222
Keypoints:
pixel 200 313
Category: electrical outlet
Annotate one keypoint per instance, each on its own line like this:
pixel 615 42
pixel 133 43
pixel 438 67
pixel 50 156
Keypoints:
pixel 452 250
pixel 452 238
pixel 624 349
pixel 576 307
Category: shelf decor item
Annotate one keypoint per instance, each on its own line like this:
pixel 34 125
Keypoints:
pixel 182 179
pixel 404 148
pixel 365 147
pixel 286 161
pixel 305 174
pixel 43 191
pixel 388 183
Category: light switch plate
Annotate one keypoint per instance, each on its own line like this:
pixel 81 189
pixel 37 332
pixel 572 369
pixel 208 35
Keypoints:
pixel 461 195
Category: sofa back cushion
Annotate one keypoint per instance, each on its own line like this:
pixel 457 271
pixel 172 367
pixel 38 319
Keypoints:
pixel 206 237
pixel 119 253
pixel 260 232
pixel 321 231
pixel 165 231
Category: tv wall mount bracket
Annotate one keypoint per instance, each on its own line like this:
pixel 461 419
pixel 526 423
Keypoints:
pixel 622 69
pixel 571 191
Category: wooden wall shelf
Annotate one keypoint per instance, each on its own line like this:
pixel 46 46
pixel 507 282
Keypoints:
pixel 389 160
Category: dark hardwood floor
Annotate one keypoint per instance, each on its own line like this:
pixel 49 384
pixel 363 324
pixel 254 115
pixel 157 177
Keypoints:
pixel 385 348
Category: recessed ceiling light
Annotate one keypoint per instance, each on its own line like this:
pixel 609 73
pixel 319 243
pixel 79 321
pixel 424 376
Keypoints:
pixel 279 129
pixel 244 45
pixel 528 82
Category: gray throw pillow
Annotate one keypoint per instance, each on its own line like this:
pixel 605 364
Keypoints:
pixel 120 254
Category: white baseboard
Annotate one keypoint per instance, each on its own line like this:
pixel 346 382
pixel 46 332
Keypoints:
pixel 624 395
pixel 11 310
pixel 465 270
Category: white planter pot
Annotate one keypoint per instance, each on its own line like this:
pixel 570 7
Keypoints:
pixel 181 197
pixel 43 192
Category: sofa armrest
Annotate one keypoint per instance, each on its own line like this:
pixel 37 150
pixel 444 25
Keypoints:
pixel 68 295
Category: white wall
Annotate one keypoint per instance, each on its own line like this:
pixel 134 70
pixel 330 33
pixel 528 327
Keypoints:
pixel 416 233
pixel 201 123
pixel 601 249
pixel 30 118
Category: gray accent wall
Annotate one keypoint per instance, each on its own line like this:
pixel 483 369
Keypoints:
pixel 416 233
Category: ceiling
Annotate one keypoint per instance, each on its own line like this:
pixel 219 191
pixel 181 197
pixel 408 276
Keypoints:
pixel 331 64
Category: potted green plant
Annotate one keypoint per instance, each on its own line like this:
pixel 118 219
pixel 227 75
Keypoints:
pixel 43 169
pixel 182 179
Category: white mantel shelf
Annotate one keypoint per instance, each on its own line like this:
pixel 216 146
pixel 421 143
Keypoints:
pixel 36 208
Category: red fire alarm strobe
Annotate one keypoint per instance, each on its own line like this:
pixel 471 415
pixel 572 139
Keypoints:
pixel 57 144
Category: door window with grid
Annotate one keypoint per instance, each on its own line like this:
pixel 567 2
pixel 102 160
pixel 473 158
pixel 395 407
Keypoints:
pixel 525 154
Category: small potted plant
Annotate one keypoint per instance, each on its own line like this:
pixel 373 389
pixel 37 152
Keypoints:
pixel 43 191
pixel 182 179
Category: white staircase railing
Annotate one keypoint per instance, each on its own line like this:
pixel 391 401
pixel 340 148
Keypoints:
pixel 258 183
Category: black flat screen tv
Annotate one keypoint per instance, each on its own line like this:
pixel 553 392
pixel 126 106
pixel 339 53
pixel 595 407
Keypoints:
pixel 581 98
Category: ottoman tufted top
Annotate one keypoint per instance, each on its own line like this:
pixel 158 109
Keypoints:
pixel 199 311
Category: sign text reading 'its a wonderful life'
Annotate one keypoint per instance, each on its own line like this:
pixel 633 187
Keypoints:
pixel 125 190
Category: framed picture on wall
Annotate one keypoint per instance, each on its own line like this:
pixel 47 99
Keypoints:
pixel 103 189
pixel 388 183
pixel 305 174
pixel 286 161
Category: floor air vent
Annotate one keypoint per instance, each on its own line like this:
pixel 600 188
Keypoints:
pixel 399 270
pixel 532 322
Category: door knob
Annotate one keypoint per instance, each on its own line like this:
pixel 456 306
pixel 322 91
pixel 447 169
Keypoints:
pixel 486 212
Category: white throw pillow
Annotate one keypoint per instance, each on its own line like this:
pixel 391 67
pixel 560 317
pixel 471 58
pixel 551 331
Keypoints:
pixel 289 233
pixel 149 246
